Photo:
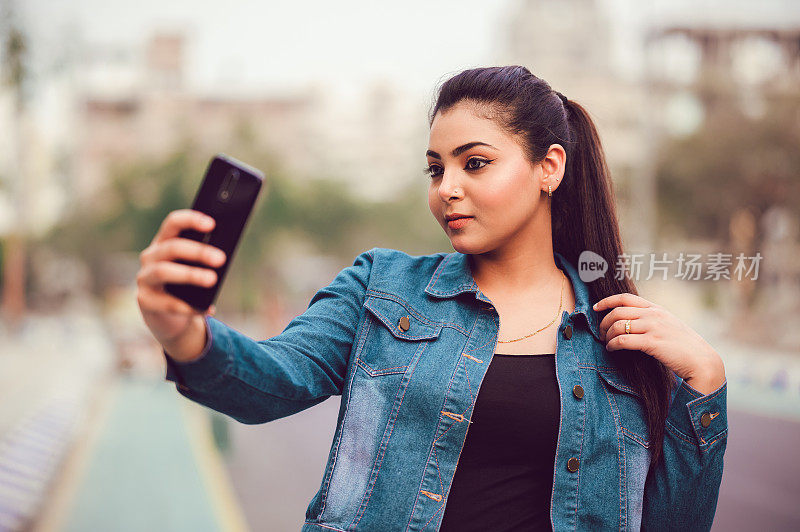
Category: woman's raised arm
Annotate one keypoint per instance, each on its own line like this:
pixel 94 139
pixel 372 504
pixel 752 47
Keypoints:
pixel 259 381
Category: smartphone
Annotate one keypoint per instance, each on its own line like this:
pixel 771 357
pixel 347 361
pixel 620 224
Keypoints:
pixel 227 193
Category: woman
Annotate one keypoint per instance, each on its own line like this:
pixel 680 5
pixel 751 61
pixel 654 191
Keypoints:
pixel 598 409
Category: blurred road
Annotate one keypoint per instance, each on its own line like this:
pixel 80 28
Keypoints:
pixel 761 481
pixel 276 468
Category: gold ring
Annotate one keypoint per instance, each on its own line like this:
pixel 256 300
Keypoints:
pixel 627 326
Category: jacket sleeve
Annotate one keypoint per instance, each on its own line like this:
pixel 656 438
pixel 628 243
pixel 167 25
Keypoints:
pixel 259 381
pixel 681 491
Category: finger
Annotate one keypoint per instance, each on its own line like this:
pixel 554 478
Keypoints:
pixel 635 342
pixel 159 273
pixel 618 328
pixel 212 310
pixel 181 219
pixel 158 301
pixel 627 299
pixel 187 249
pixel 617 314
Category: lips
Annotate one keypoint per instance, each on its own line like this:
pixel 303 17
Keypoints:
pixel 458 223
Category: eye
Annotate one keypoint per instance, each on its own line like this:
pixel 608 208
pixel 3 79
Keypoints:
pixel 471 160
pixel 433 170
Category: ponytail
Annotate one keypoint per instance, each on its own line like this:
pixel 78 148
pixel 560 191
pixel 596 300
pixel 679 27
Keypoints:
pixel 585 218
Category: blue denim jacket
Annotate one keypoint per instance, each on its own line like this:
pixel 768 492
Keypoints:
pixel 406 341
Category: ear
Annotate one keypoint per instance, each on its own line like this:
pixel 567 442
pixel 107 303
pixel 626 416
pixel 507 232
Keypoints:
pixel 554 165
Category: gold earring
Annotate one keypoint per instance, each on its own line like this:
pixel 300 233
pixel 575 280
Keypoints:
pixel 549 191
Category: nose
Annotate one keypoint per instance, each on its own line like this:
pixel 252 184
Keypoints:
pixel 449 187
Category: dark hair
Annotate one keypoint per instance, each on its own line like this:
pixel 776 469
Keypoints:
pixel 583 214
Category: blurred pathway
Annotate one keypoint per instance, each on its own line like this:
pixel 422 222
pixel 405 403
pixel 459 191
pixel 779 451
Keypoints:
pixel 85 448
pixel 48 369
pixel 149 464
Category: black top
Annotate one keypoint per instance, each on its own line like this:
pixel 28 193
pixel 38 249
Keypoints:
pixel 504 476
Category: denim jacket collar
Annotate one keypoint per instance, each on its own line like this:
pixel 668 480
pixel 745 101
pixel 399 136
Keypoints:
pixel 453 276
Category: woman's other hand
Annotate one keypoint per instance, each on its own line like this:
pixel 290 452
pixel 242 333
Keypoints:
pixel 659 333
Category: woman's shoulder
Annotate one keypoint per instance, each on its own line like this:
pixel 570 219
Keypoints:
pixel 394 264
pixel 398 256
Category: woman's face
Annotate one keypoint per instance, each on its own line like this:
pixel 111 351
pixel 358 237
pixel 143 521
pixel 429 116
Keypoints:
pixel 481 171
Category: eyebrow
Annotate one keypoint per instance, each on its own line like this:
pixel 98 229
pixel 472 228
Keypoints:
pixel 458 151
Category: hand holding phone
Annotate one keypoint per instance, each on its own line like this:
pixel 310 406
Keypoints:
pixel 183 268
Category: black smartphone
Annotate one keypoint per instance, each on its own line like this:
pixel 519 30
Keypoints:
pixel 227 194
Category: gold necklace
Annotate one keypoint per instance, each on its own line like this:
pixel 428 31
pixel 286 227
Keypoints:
pixel 560 304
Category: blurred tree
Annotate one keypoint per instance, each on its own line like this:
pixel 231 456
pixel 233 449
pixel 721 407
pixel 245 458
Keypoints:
pixel 13 51
pixel 321 211
pixel 732 162
pixel 718 183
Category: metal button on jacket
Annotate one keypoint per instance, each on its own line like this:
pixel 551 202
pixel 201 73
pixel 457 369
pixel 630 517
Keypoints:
pixel 568 332
pixel 577 391
pixel 404 323
pixel 572 464
pixel 705 419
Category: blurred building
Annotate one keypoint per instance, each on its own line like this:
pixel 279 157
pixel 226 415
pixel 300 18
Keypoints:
pixel 695 66
pixel 699 68
pixel 136 104
pixel 574 54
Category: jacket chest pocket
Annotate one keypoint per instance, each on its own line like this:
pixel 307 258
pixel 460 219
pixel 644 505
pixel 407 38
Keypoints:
pixel 396 333
pixel 628 406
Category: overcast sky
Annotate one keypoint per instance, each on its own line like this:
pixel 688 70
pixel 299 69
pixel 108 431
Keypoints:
pixel 281 45
pixel 269 44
